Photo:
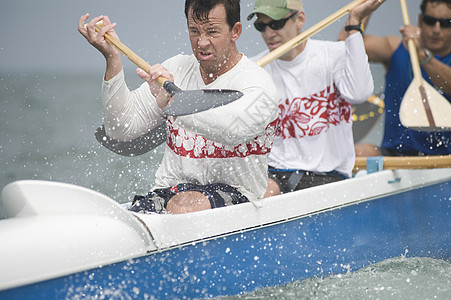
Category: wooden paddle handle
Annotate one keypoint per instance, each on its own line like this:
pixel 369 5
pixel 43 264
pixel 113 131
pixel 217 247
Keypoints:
pixel 127 52
pixel 408 162
pixel 416 67
pixel 294 42
pixel 411 44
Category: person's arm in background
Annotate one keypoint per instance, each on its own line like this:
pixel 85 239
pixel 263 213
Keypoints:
pixel 354 78
pixel 378 48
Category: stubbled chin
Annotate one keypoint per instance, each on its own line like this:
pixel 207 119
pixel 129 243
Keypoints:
pixel 207 65
pixel 434 45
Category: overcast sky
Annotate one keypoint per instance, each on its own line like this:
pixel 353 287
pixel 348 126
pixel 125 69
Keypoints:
pixel 41 35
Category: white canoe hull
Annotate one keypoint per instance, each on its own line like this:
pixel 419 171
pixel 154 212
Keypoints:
pixel 61 239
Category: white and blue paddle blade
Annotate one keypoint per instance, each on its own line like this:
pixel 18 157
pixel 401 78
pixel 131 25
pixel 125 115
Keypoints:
pixel 423 108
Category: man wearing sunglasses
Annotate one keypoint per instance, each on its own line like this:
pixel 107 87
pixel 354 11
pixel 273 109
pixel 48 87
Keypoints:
pixel 317 82
pixel 432 38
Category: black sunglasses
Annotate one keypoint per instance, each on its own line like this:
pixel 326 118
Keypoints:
pixel 274 25
pixel 431 21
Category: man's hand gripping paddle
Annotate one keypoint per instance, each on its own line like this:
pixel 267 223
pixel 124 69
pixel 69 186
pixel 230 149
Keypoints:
pixel 184 103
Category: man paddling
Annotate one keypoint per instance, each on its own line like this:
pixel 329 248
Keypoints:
pixel 432 38
pixel 213 158
pixel 317 82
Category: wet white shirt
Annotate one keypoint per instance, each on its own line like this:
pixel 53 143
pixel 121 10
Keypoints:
pixel 228 144
pixel 316 91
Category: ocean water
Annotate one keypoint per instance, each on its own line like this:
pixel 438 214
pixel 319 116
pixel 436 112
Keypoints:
pixel 47 125
pixel 47 133
pixel 397 278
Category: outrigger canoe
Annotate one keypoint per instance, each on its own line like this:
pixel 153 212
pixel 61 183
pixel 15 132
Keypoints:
pixel 65 241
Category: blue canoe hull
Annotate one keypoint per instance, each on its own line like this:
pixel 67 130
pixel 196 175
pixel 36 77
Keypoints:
pixel 413 223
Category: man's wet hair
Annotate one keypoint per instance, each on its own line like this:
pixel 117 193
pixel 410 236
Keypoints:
pixel 425 2
pixel 201 9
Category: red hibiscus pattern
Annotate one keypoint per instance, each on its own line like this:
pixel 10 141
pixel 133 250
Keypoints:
pixel 188 144
pixel 309 116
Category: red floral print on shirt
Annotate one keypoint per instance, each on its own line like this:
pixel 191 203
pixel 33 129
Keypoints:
pixel 188 144
pixel 309 116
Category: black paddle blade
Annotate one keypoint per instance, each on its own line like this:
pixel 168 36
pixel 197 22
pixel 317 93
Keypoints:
pixel 191 102
pixel 135 147
pixel 185 103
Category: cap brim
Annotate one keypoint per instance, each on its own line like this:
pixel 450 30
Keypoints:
pixel 272 12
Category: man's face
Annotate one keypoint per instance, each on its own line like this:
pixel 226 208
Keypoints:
pixel 436 37
pixel 275 38
pixel 212 41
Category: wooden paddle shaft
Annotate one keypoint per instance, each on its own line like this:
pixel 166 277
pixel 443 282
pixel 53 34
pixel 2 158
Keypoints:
pixel 127 52
pixel 410 43
pixel 409 162
pixel 297 40
pixel 416 66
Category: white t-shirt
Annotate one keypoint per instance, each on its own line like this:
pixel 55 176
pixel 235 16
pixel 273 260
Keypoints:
pixel 228 144
pixel 316 91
